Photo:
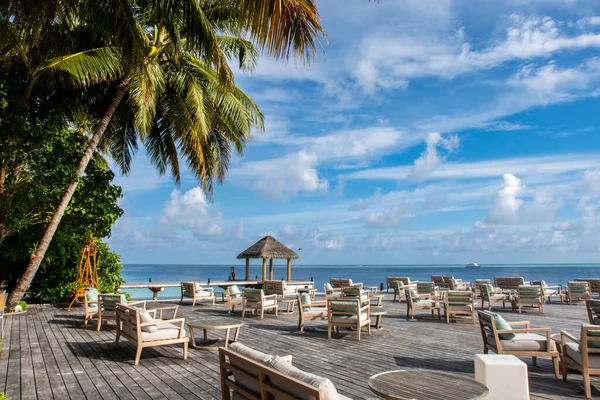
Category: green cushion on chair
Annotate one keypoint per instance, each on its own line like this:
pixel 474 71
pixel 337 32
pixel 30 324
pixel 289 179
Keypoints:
pixel 233 290
pixel 595 333
pixel 502 325
pixel 92 295
pixel 123 299
pixel 490 289
pixel 414 294
pixel 305 300
pixel 328 287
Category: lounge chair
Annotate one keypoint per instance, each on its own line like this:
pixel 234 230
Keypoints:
pixel 405 283
pixel 549 291
pixel 107 307
pixel 348 283
pixel 348 313
pixel 310 310
pixel 459 303
pixel 279 288
pixel 593 309
pixel 578 291
pixel 456 284
pixel 197 293
pixel 399 290
pixel 250 374
pixel 141 329
pixel 331 292
pixel 438 281
pixel 355 292
pixel 427 288
pixel 255 300
pixel 492 296
pixel 390 282
pixel 582 354
pixel 90 303
pixel 425 301
pixel 335 283
pixel 511 283
pixel 501 337
pixel 234 298
pixel 477 285
pixel 530 296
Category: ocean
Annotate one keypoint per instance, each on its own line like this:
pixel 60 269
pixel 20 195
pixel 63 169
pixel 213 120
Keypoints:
pixel 372 275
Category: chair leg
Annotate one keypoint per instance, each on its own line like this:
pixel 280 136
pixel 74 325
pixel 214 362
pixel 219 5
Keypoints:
pixel 329 330
pixel 243 311
pixel 556 369
pixel 587 385
pixel 358 329
pixel 534 361
pixel 194 302
pixel 118 336
pixel 565 369
pixel 99 325
pixel 262 313
pixel 138 354
pixel 185 350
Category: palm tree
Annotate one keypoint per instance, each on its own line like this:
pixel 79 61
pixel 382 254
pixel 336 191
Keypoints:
pixel 160 69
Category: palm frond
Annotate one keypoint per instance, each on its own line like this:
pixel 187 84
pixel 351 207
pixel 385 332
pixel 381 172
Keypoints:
pixel 79 70
pixel 146 87
pixel 236 48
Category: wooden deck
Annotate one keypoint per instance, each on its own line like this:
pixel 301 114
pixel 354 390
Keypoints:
pixel 49 354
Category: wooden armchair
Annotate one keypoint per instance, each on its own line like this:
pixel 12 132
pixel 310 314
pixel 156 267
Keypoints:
pixel 234 298
pixel 438 281
pixel 335 283
pixel 502 338
pixel 390 282
pixel 492 296
pixel 150 332
pixel 459 303
pixel 593 310
pixel 349 313
pixel 279 288
pixel 582 354
pixel 310 310
pixel 197 293
pixel 456 284
pixel 348 283
pixel 107 307
pixel 417 301
pixel 255 300
pixel 90 303
pixel 549 291
pixel 530 296
pixel 399 290
pixel 578 291
pixel 331 292
pixel 355 292
pixel 427 288
pixel 510 283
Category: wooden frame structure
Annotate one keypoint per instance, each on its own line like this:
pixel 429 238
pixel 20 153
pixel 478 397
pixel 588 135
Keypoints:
pixel 87 273
pixel 130 327
pixel 489 330
pixel 580 356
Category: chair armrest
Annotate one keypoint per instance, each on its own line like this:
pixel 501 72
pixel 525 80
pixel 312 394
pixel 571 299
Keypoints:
pixel 318 303
pixel 274 296
pixel 564 335
pixel 134 303
pixel 357 284
pixel 208 289
pixel 363 308
pixel 527 330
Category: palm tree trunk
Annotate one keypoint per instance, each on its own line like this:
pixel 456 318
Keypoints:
pixel 36 258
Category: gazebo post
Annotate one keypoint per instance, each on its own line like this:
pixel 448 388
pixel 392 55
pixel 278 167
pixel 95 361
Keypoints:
pixel 270 268
pixel 247 268
pixel 264 269
pixel 289 269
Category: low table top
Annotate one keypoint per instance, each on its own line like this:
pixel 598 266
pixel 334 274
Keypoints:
pixel 425 385
pixel 378 312
pixel 217 323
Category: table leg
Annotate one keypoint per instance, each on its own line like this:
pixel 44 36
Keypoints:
pixel 227 337
pixel 205 335
pixel 237 332
pixel 192 337
pixel 378 322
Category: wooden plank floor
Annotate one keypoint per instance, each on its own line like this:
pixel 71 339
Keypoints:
pixel 49 354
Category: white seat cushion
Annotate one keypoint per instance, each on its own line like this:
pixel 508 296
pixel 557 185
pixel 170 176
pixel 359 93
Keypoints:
pixel 255 355
pixel 92 309
pixel 316 312
pixel 425 304
pixel 203 293
pixel 265 303
pixel 574 353
pixel 524 342
pixel 348 319
pixel 324 385
pixel 163 332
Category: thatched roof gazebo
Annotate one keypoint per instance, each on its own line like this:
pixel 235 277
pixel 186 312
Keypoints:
pixel 268 248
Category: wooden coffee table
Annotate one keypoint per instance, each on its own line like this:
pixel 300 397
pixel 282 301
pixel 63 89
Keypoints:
pixel 213 325
pixel 418 384
pixel 377 314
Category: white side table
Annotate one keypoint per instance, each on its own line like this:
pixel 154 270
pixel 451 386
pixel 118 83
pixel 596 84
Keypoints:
pixel 504 375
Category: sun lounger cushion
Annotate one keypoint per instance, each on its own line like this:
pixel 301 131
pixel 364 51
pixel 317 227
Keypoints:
pixel 254 355
pixel 348 318
pixel 92 295
pixel 574 353
pixel 523 342
pixel 305 300
pixel 163 332
pixel 145 318
pixel 502 325
pixel 324 385
pixel 203 293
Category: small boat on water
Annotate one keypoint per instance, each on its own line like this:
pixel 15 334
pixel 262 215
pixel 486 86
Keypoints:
pixel 472 265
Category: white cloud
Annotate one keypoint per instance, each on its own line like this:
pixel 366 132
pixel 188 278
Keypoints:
pixel 591 182
pixel 507 205
pixel 191 210
pixel 385 218
pixel 363 204
pixel 326 241
pixel 430 158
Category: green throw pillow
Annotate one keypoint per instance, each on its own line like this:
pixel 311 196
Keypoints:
pixel 233 290
pixel 490 288
pixel 592 343
pixel 502 325
pixel 305 300
pixel 414 294
pixel 328 287
pixel 92 295
pixel 123 299
pixel 400 283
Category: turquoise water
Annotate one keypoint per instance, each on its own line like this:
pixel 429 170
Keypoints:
pixel 373 275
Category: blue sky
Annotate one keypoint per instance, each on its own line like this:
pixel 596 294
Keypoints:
pixel 429 131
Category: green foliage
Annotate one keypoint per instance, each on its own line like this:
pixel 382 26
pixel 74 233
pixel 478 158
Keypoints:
pixel 23 305
pixel 38 157
pixel 2 396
